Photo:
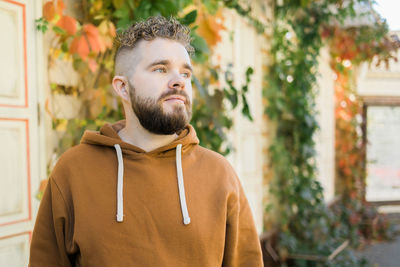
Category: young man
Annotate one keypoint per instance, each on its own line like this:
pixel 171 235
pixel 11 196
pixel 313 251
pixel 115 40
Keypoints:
pixel 142 192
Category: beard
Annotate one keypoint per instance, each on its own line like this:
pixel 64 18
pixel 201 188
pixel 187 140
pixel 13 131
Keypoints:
pixel 152 116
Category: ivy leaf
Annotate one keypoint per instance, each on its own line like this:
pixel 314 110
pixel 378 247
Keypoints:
pixel 214 74
pixel 246 109
pixel 42 24
pixel 121 13
pixel 232 96
pixel 249 72
pixel 143 10
pixel 58 30
pixel 124 23
pixel 167 8
pixel 189 18
pixel 64 47
pixel 201 48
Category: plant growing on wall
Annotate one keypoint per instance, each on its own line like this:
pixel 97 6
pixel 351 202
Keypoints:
pixel 308 232
pixel 86 40
pixel 349 48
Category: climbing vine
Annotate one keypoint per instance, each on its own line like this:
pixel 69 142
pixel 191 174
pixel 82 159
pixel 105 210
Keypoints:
pixel 349 48
pixel 308 231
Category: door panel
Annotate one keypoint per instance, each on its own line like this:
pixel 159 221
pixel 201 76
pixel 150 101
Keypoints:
pixel 14 184
pixel 20 161
pixel 14 250
pixel 13 64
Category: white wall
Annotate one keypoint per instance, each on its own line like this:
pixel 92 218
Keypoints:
pixel 325 136
pixel 380 81
pixel 244 50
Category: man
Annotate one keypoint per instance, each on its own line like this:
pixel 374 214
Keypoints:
pixel 142 192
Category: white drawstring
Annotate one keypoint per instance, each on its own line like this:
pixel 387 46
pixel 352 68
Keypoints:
pixel 181 187
pixel 120 183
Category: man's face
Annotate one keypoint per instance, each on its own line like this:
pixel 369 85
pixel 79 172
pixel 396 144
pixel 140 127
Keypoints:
pixel 160 86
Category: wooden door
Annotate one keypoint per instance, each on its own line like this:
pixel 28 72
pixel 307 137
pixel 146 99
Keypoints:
pixel 19 127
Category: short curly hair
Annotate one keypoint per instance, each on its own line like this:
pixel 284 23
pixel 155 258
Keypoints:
pixel 150 29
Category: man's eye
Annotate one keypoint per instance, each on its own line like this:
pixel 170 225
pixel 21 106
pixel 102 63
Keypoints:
pixel 160 70
pixel 186 74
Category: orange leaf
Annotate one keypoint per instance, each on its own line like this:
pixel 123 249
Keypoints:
pixel 80 46
pixel 49 11
pixel 53 8
pixel 92 34
pixel 60 6
pixel 68 23
pixel 89 41
pixel 210 26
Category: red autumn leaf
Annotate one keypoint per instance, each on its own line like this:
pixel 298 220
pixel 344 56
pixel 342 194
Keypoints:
pixel 88 42
pixel 60 6
pixel 93 37
pixel 49 11
pixel 53 8
pixel 69 24
pixel 80 46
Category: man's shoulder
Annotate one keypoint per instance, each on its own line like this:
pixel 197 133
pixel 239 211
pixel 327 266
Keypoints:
pixel 217 164
pixel 76 153
pixel 75 158
pixel 211 156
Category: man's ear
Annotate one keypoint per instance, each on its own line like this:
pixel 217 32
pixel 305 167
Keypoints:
pixel 121 87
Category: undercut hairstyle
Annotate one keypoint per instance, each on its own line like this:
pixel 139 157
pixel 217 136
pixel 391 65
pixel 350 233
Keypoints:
pixel 148 30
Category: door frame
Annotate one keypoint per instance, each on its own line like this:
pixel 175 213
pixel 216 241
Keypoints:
pixel 369 101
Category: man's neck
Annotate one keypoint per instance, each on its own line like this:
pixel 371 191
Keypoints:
pixel 135 134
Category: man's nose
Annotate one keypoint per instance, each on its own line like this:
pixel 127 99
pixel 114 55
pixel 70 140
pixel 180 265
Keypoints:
pixel 177 82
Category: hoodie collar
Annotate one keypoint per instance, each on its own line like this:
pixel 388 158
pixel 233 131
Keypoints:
pixel 108 136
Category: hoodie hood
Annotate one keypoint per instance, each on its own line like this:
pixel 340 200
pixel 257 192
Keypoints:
pixel 108 136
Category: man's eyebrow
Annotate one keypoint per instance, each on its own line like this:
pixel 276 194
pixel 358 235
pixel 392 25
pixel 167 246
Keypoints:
pixel 187 66
pixel 167 62
pixel 158 62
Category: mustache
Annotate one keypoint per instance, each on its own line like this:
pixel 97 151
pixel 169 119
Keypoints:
pixel 174 92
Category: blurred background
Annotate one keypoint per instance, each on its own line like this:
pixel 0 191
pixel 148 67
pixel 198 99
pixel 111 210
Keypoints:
pixel 301 96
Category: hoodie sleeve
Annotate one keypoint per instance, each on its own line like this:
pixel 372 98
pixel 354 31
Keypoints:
pixel 48 245
pixel 242 245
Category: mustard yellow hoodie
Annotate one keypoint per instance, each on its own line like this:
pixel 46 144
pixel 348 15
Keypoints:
pixel 109 203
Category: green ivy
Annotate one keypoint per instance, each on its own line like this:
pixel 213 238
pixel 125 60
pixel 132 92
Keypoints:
pixel 211 117
pixel 304 223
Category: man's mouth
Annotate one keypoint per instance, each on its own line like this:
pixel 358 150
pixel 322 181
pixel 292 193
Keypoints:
pixel 176 98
